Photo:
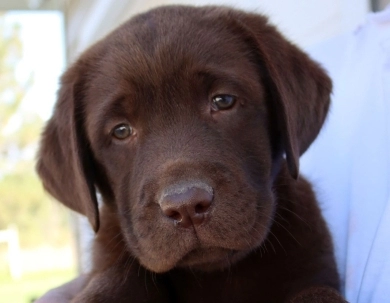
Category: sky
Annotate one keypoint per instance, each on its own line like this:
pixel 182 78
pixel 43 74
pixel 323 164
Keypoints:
pixel 42 35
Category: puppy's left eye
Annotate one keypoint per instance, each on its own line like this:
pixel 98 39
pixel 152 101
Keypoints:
pixel 122 131
pixel 222 102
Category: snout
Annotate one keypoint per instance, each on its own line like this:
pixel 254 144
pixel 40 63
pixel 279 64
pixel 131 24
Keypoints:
pixel 202 214
pixel 187 204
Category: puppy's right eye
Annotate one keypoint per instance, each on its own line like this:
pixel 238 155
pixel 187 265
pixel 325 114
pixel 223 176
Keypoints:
pixel 223 102
pixel 122 131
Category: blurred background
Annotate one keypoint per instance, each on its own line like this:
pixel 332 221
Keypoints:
pixel 41 244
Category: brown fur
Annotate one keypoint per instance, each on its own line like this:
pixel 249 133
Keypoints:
pixel 263 238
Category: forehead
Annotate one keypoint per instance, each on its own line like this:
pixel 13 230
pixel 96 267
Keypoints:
pixel 163 51
pixel 165 41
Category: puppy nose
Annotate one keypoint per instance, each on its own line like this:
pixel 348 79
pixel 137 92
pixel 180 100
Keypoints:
pixel 187 204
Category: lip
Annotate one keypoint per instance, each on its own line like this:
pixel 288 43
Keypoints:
pixel 208 258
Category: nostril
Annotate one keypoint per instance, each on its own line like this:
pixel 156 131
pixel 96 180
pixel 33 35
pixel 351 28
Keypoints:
pixel 179 216
pixel 202 207
pixel 173 214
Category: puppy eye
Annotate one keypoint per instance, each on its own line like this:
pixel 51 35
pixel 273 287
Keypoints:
pixel 222 102
pixel 122 131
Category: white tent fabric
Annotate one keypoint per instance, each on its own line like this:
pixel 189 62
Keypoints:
pixel 350 161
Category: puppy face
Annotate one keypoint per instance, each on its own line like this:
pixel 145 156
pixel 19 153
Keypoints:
pixel 178 120
pixel 198 120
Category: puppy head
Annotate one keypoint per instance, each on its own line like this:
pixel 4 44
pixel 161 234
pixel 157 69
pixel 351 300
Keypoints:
pixel 181 118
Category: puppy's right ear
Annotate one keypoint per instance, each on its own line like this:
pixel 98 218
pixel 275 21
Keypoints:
pixel 64 161
pixel 299 87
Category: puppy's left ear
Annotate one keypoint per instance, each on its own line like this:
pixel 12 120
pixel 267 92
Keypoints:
pixel 64 159
pixel 299 87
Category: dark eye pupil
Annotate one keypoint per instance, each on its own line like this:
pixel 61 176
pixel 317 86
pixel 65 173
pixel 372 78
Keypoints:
pixel 224 101
pixel 122 131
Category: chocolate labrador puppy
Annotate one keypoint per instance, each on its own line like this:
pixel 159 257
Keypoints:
pixel 190 121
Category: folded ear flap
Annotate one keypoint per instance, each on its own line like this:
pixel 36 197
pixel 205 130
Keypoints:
pixel 300 89
pixel 64 162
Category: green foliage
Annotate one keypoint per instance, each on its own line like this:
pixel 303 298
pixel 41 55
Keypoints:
pixel 22 199
pixel 12 92
pixel 24 203
pixel 32 286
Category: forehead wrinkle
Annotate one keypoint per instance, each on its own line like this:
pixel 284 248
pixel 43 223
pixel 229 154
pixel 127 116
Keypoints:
pixel 116 106
pixel 156 50
pixel 155 66
pixel 229 77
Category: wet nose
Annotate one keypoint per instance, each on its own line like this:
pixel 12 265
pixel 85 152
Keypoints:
pixel 187 204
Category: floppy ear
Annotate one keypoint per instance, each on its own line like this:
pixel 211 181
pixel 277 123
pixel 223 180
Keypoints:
pixel 299 88
pixel 64 161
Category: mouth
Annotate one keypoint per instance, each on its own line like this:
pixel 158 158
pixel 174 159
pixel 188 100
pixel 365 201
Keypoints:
pixel 210 258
